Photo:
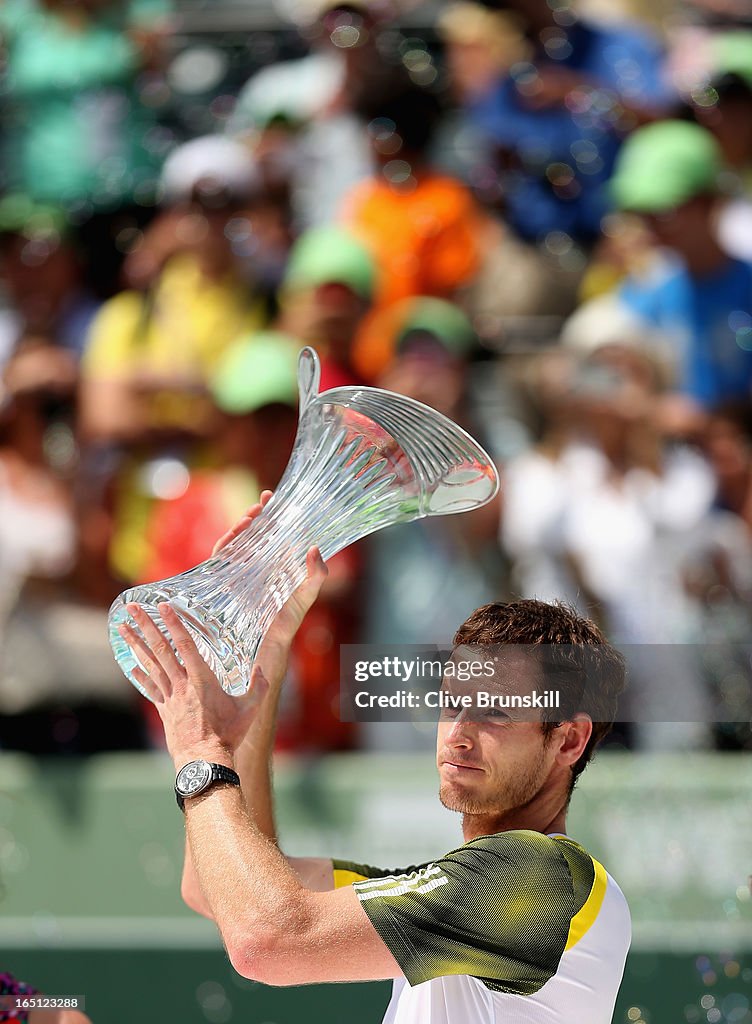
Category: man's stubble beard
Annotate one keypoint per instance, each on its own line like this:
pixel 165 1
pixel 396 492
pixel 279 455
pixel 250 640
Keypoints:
pixel 510 794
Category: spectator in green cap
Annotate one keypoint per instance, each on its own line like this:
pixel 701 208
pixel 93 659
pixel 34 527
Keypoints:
pixel 432 340
pixel 255 388
pixel 695 292
pixel 326 292
pixel 436 320
pixel 327 254
pixel 665 164
pixel 428 342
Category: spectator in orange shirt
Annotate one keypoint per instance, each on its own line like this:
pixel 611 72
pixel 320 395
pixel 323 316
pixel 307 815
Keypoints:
pixel 422 227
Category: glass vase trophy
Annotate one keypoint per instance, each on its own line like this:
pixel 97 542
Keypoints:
pixel 363 459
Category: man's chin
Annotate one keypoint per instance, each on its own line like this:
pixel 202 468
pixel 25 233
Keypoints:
pixel 455 798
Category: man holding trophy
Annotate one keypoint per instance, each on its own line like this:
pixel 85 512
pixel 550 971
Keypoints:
pixel 519 923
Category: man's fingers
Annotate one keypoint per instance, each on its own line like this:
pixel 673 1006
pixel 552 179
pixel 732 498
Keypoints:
pixel 255 510
pixel 185 644
pixel 150 688
pixel 259 688
pixel 316 565
pixel 153 670
pixel 223 541
pixel 231 534
pixel 308 591
pixel 159 647
pixel 249 704
pixel 288 621
pixel 244 522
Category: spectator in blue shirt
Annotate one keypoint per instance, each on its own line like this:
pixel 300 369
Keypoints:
pixel 697 295
pixel 558 116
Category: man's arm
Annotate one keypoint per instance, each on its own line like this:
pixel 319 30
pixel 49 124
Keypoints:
pixel 253 759
pixel 276 930
pixel 253 764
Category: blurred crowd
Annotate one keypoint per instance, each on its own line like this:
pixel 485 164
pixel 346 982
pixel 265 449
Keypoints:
pixel 532 215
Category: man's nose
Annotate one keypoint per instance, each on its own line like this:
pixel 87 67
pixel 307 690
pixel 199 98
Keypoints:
pixel 460 731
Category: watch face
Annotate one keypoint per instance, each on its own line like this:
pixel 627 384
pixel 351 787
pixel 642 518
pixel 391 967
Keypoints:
pixel 193 778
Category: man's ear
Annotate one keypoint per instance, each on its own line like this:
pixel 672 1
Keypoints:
pixel 574 737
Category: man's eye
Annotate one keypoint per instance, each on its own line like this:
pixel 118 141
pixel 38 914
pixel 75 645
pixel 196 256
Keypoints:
pixel 449 713
pixel 497 715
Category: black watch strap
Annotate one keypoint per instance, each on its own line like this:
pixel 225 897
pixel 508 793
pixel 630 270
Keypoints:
pixel 218 773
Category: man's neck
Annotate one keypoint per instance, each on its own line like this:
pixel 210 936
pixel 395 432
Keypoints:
pixel 530 818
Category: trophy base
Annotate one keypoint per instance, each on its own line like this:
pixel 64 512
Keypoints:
pixel 231 665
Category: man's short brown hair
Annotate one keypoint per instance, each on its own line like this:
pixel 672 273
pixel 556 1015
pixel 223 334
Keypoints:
pixel 585 655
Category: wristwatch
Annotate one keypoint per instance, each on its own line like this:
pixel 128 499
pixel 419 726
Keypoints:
pixel 197 776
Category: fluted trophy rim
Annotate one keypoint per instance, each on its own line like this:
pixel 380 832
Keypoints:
pixel 309 378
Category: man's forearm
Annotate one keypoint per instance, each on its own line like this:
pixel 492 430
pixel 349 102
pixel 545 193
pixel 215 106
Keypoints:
pixel 253 765
pixel 252 892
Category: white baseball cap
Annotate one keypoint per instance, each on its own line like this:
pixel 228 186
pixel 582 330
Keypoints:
pixel 210 162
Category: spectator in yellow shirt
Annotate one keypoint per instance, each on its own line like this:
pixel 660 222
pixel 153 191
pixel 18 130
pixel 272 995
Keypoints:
pixel 152 348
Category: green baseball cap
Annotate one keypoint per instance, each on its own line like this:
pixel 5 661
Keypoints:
pixel 662 165
pixel 442 319
pixel 259 370
pixel 21 215
pixel 331 255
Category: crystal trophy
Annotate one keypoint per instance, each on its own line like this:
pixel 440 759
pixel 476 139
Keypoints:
pixel 363 459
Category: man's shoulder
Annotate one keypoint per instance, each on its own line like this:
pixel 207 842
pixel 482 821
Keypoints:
pixel 555 871
pixel 503 909
pixel 536 856
pixel 533 858
pixel 524 841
